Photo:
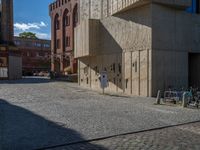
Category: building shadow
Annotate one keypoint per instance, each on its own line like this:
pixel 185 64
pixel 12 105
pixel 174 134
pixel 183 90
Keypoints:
pixel 21 129
pixel 108 58
pixel 27 80
pixel 119 53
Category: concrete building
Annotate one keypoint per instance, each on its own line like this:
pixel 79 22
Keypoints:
pixel 10 56
pixel 64 18
pixel 36 55
pixel 143 45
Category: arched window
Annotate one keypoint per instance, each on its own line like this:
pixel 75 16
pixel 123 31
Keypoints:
pixel 75 15
pixel 56 27
pixel 66 22
pixel 57 22
pixel 66 18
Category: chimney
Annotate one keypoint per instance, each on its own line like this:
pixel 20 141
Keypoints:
pixel 7 21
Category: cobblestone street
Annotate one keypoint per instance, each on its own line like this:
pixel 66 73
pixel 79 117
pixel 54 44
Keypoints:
pixel 36 113
pixel 184 137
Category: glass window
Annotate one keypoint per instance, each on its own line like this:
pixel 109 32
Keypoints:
pixel 38 45
pixel 46 45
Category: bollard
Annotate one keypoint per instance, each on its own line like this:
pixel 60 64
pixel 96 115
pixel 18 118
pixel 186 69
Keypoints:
pixel 184 101
pixel 158 98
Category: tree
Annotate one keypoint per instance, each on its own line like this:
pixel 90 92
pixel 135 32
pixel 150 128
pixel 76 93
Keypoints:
pixel 28 35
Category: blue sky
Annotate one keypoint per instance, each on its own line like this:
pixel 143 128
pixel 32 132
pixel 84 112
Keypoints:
pixel 33 16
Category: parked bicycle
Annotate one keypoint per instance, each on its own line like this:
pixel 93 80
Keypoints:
pixel 173 95
pixel 193 97
pixel 176 96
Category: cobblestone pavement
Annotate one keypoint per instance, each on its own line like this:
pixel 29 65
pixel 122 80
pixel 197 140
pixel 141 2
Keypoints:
pixel 37 113
pixel 184 137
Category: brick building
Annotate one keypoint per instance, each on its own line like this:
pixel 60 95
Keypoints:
pixel 36 54
pixel 10 56
pixel 143 45
pixel 64 18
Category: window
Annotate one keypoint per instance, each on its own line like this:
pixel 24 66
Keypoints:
pixel 57 24
pixel 46 45
pixel 58 43
pixel 75 16
pixel 38 44
pixel 67 20
pixel 67 41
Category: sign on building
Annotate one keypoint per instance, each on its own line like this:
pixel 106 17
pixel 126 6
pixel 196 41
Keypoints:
pixel 103 80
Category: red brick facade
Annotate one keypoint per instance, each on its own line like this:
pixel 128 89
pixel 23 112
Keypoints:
pixel 10 56
pixel 6 17
pixel 64 18
pixel 36 54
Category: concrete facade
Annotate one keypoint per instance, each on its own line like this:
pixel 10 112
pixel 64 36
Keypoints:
pixel 10 56
pixel 64 18
pixel 143 45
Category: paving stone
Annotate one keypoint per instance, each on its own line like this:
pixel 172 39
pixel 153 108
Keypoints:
pixel 37 113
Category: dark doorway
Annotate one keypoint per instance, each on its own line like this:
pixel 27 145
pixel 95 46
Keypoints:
pixel 198 6
pixel 194 70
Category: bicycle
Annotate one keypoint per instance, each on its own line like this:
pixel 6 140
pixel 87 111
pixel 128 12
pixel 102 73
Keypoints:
pixel 194 97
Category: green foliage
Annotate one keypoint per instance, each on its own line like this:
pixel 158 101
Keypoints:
pixel 28 35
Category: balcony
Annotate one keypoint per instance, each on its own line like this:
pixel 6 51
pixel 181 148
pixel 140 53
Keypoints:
pixel 175 3
pixel 87 38
pixel 118 6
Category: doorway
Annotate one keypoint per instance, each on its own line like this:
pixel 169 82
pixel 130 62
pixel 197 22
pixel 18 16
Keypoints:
pixel 194 70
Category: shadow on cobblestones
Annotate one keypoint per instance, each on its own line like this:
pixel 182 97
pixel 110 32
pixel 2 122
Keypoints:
pixel 22 129
pixel 27 80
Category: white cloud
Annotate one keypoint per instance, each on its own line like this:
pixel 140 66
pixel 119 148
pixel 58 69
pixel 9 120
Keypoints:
pixel 32 27
pixel 42 35
pixel 42 24
pixel 28 26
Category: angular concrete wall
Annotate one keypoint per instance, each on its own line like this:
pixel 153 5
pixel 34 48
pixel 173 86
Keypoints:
pixel 150 39
pixel 128 31
pixel 87 36
pixel 175 34
pixel 120 36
